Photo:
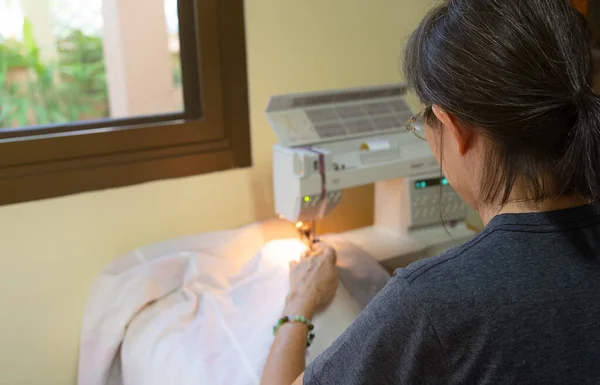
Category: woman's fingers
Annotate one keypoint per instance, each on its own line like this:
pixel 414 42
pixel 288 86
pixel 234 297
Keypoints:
pixel 325 251
pixel 305 254
pixel 332 256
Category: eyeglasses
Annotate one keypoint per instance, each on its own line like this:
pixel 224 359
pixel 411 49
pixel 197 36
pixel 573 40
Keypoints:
pixel 416 124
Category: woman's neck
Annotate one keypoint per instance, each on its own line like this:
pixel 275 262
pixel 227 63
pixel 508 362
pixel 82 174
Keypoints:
pixel 515 206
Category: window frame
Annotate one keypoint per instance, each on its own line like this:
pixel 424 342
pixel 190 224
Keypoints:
pixel 212 134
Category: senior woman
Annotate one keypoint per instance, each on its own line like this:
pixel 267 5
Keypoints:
pixel 512 118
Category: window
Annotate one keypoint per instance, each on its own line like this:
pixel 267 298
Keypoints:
pixel 108 93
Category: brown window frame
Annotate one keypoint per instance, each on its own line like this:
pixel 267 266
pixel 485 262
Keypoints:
pixel 212 134
pixel 581 5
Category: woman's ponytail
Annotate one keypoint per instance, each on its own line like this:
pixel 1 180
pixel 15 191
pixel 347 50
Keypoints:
pixel 581 163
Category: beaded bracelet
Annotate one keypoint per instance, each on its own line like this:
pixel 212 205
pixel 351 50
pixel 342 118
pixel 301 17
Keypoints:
pixel 300 319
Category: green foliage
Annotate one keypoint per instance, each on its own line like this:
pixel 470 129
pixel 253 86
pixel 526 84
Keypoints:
pixel 81 64
pixel 10 53
pixel 71 88
pixel 177 73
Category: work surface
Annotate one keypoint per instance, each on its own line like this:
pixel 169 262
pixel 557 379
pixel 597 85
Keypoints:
pixel 199 310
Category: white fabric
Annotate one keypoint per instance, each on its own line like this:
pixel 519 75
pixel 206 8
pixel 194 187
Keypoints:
pixel 197 310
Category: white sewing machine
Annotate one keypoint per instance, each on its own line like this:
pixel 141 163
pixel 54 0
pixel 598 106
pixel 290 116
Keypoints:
pixel 330 141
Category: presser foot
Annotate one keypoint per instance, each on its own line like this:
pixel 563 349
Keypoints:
pixel 306 232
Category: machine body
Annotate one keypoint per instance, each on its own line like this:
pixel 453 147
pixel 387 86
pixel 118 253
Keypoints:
pixel 330 141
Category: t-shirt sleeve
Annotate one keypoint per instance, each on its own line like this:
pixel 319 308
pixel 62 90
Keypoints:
pixel 391 342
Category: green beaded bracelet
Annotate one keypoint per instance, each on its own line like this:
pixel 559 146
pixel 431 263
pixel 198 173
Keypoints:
pixel 299 319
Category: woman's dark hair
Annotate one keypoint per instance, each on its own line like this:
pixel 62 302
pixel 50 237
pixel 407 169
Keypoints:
pixel 519 72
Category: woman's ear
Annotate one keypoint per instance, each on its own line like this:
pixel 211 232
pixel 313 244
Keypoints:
pixel 460 134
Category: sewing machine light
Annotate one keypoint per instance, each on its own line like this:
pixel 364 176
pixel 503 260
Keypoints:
pixel 306 231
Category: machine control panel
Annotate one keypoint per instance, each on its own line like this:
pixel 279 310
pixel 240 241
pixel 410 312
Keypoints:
pixel 430 197
pixel 312 205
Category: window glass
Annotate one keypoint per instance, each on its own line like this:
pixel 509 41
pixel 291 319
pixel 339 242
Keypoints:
pixel 71 61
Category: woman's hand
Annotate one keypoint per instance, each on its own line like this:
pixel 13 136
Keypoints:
pixel 313 281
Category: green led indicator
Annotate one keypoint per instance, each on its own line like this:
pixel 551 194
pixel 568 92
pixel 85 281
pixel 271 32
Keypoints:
pixel 445 182
pixel 307 199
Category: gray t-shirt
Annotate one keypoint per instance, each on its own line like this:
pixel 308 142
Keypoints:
pixel 519 304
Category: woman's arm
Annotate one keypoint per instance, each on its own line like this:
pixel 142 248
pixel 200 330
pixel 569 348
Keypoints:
pixel 313 282
pixel 286 361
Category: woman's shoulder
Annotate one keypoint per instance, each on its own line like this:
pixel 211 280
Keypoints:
pixel 454 260
pixel 510 256
pixel 518 240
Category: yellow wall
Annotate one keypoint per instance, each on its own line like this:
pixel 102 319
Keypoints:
pixel 51 250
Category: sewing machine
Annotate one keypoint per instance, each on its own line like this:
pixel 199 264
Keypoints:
pixel 333 140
